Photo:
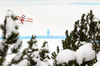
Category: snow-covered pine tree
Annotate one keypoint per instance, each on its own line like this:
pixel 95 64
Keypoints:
pixel 10 39
pixel 54 55
pixel 44 53
pixel 26 57
pixel 33 56
pixel 32 51
pixel 87 29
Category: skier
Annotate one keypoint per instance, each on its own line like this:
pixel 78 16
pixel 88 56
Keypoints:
pixel 22 18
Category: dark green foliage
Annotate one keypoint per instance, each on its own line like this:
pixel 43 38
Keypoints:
pixel 31 42
pixel 44 51
pixel 58 49
pixel 32 50
pixel 16 50
pixel 28 52
pixel 1 61
pixel 3 28
pixel 10 40
pixel 16 61
pixel 71 63
pixel 14 18
pixel 69 42
pixel 87 29
pixel 89 63
pixel 54 55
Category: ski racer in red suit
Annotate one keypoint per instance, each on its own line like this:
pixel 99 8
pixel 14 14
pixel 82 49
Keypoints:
pixel 22 18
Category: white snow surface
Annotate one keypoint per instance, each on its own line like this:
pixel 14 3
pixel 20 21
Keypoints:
pixel 41 63
pixel 8 59
pixel 23 63
pixel 35 46
pixel 17 44
pixel 47 61
pixel 85 52
pixel 65 56
pixel 97 63
pixel 10 13
pixel 16 58
pixel 36 56
pixel 10 24
pixel 5 63
pixel 98 56
pixel 83 43
pixel 98 60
